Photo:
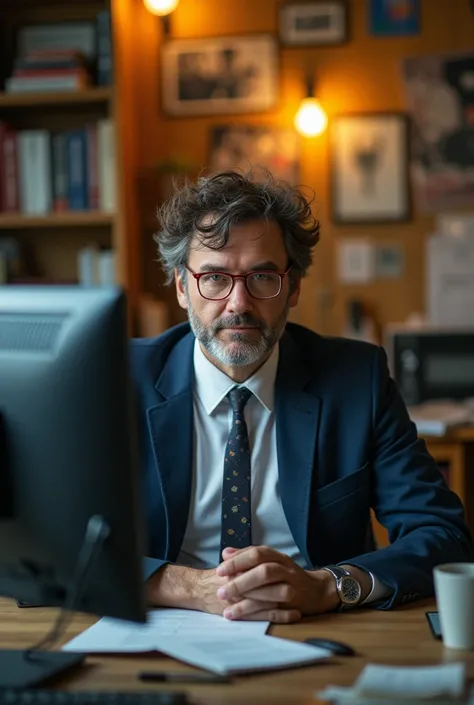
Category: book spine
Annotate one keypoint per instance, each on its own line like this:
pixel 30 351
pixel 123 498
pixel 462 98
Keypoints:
pixel 35 172
pixel 10 197
pixel 24 84
pixel 92 166
pixel 77 170
pixel 107 171
pixel 60 172
pixel 104 49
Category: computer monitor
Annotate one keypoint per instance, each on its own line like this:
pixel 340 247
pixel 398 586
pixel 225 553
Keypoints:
pixel 70 518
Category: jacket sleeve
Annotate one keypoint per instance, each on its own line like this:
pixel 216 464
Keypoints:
pixel 150 566
pixel 424 518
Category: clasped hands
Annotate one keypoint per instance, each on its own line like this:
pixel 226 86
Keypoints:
pixel 259 583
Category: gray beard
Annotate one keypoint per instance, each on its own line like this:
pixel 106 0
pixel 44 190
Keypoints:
pixel 247 353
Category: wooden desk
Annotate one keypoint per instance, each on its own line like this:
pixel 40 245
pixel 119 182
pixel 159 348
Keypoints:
pixel 401 636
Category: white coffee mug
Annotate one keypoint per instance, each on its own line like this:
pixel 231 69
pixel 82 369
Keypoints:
pixel 454 589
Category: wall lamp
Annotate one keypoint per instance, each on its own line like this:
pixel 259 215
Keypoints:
pixel 310 120
pixel 161 7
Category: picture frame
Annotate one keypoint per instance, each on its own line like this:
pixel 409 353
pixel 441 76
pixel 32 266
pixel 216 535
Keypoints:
pixel 394 18
pixel 313 23
pixel 244 146
pixel 220 75
pixel 370 180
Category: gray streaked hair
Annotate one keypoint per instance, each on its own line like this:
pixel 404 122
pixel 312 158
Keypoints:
pixel 231 198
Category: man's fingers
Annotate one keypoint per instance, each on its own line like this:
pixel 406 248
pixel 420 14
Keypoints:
pixel 249 558
pixel 245 608
pixel 258 577
pixel 279 592
pixel 276 615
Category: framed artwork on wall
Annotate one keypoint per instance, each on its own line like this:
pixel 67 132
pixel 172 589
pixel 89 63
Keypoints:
pixel 234 74
pixel 245 147
pixel 394 18
pixel 370 168
pixel 313 23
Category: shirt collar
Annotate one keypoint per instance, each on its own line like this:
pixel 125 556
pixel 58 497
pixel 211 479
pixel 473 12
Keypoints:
pixel 212 385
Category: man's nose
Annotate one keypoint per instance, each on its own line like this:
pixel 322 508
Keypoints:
pixel 239 299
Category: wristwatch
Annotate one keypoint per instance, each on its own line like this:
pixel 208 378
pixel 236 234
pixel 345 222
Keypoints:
pixel 348 588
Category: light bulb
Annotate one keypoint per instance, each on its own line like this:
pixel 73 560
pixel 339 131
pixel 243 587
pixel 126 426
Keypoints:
pixel 161 7
pixel 310 120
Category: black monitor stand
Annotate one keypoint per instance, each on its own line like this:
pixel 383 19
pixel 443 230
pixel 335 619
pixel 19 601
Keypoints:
pixel 26 669
pixel 31 667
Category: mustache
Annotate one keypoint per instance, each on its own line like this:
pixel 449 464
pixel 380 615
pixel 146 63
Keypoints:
pixel 236 321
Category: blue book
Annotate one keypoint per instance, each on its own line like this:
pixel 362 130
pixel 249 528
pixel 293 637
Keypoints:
pixel 78 192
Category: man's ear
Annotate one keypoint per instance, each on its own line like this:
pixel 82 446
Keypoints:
pixel 295 289
pixel 181 287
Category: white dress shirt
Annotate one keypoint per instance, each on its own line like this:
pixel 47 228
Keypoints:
pixel 212 424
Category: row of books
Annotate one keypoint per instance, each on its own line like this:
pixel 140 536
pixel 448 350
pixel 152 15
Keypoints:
pixel 95 266
pixel 64 56
pixel 43 172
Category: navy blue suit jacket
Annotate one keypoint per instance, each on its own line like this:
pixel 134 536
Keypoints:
pixel 345 444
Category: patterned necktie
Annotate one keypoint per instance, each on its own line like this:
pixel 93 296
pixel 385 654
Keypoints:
pixel 235 525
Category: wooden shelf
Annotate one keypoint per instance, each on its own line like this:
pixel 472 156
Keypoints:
pixel 88 95
pixel 55 220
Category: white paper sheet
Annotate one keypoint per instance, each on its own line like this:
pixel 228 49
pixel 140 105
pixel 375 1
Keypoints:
pixel 442 684
pixel 258 653
pixel 117 636
pixel 412 681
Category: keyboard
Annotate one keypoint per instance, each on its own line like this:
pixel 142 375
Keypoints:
pixel 66 697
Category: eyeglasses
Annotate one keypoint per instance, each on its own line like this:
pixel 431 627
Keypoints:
pixel 263 284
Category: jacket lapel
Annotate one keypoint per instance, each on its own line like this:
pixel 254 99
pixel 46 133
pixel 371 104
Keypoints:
pixel 171 429
pixel 297 423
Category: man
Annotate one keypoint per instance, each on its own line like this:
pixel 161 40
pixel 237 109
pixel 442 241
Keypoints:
pixel 264 445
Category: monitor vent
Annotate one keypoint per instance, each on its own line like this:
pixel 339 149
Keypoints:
pixel 32 333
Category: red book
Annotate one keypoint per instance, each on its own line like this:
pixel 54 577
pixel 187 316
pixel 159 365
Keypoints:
pixel 9 195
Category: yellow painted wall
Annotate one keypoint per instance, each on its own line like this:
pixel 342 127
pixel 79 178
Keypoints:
pixel 362 75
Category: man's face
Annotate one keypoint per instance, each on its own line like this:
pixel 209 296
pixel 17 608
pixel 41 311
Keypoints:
pixel 240 330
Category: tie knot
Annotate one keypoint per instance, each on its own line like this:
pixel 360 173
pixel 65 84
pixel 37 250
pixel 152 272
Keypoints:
pixel 238 397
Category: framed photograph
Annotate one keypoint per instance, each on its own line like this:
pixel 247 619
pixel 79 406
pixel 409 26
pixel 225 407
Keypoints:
pixel 370 168
pixel 246 147
pixel 440 102
pixel 313 23
pixel 394 18
pixel 235 74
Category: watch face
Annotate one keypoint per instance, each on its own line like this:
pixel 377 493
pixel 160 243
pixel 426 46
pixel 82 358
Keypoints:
pixel 350 590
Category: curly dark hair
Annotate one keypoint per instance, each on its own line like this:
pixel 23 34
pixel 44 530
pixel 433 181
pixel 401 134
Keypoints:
pixel 233 198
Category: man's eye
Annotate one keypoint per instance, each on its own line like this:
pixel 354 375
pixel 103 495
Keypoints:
pixel 213 278
pixel 261 276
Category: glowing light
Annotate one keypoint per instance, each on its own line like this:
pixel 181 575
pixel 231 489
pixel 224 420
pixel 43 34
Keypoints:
pixel 311 120
pixel 161 7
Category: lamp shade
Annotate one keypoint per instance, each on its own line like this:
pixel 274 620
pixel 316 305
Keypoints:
pixel 161 7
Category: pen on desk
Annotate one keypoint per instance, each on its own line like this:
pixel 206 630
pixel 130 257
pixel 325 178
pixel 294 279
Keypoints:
pixel 182 677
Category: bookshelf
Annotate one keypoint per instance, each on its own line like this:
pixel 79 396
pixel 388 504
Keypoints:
pixel 51 240
pixel 86 96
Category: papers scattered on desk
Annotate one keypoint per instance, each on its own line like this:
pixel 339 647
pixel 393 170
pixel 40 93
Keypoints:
pixel 117 636
pixel 200 639
pixel 377 683
pixel 259 653
pixel 435 418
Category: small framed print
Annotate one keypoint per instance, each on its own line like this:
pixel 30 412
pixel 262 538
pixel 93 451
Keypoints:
pixel 370 168
pixel 313 23
pixel 243 147
pixel 220 75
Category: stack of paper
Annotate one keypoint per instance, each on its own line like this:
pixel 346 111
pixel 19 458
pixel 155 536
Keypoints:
pixel 381 684
pixel 204 640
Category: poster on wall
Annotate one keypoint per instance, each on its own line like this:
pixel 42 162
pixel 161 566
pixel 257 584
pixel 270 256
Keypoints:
pixel 439 94
pixel 369 164
pixel 245 147
pixel 234 74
